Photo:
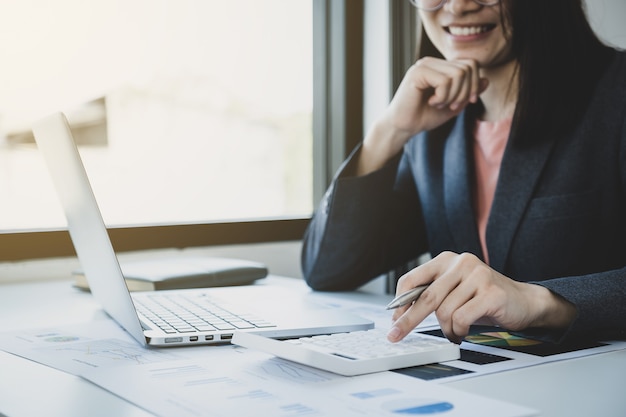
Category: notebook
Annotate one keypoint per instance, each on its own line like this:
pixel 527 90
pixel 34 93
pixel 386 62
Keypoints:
pixel 271 310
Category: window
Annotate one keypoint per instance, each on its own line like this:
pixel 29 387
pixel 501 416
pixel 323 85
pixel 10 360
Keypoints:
pixel 199 109
pixel 194 118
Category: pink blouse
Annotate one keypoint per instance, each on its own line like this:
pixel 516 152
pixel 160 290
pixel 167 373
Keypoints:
pixel 489 142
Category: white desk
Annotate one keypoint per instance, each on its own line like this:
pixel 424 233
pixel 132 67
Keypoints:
pixel 589 386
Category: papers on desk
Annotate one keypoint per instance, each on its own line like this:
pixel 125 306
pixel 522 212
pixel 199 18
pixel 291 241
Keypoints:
pixel 229 380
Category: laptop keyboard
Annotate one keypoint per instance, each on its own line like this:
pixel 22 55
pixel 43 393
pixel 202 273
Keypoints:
pixel 182 314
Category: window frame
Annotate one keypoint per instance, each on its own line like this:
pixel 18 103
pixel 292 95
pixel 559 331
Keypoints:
pixel 338 42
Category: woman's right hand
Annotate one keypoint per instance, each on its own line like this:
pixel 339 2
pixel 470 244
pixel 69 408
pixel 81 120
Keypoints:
pixel 432 91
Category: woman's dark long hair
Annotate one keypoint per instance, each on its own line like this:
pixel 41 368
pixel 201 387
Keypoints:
pixel 560 60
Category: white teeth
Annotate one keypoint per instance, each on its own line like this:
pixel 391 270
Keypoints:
pixel 467 30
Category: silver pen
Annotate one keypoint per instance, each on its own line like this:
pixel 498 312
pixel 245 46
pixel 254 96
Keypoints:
pixel 407 297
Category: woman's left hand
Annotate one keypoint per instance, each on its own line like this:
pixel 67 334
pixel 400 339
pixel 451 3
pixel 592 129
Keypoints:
pixel 464 291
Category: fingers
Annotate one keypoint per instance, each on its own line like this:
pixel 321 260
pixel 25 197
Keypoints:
pixel 408 317
pixel 432 91
pixel 404 322
pixel 454 83
pixel 421 275
pixel 463 290
pixel 454 324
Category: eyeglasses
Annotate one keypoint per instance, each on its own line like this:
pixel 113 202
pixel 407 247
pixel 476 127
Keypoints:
pixel 432 5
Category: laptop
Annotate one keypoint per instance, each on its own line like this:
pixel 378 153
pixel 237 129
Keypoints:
pixel 271 310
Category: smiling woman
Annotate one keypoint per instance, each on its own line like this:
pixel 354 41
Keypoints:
pixel 503 159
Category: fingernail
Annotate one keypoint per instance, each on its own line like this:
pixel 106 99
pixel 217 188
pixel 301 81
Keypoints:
pixel 394 334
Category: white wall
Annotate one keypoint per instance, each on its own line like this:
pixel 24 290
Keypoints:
pixel 607 17
pixel 376 74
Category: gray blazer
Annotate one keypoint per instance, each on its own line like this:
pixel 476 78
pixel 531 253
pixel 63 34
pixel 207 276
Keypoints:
pixel 558 216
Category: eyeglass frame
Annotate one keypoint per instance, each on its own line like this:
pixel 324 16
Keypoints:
pixel 486 3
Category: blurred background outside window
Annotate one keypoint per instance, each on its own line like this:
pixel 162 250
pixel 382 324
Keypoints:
pixel 184 110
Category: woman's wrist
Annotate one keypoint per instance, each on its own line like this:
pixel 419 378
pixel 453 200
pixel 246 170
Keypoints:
pixel 551 310
pixel 380 145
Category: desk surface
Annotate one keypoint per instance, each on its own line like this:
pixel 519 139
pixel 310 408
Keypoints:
pixel 589 386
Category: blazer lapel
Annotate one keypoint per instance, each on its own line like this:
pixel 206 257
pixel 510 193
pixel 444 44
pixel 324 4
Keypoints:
pixel 457 186
pixel 520 170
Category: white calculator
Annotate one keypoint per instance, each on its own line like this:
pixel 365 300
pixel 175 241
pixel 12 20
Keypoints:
pixel 355 353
